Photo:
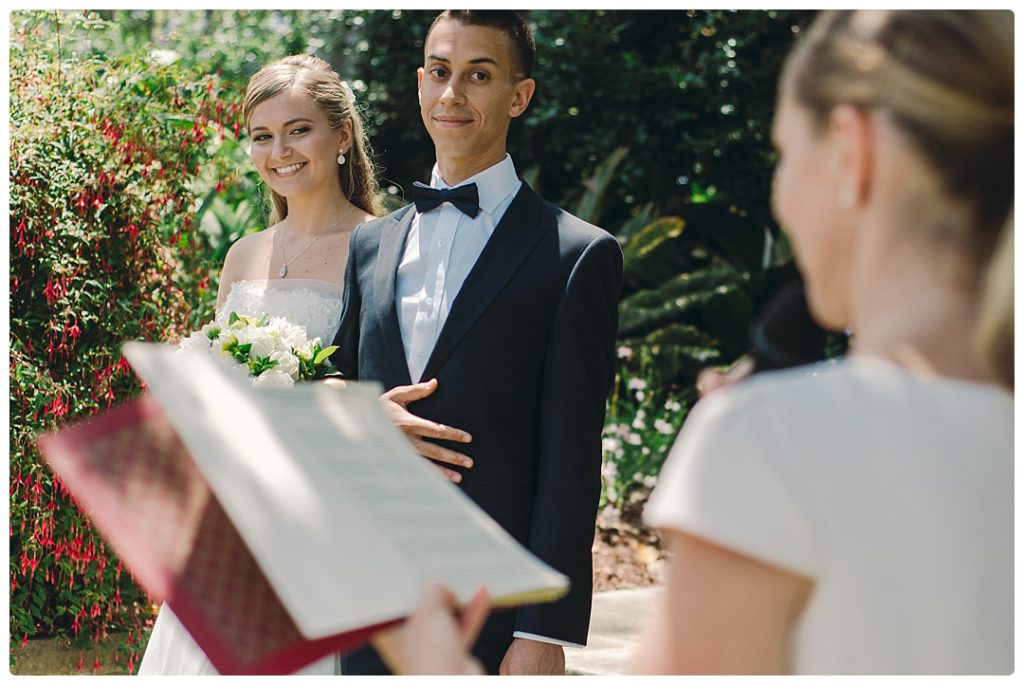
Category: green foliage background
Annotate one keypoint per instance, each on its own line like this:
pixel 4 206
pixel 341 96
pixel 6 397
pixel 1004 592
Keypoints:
pixel 651 124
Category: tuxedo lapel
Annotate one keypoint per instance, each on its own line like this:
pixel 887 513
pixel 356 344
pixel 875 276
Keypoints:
pixel 389 255
pixel 515 236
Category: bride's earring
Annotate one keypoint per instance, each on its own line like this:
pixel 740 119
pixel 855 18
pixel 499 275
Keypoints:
pixel 341 158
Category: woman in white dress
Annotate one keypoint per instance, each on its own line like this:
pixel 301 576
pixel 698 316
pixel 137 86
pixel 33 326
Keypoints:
pixel 859 519
pixel 308 147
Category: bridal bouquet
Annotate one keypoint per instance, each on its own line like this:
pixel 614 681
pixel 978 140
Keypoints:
pixel 271 350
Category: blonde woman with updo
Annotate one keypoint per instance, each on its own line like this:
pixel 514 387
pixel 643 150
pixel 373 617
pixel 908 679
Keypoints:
pixel 859 519
pixel 307 144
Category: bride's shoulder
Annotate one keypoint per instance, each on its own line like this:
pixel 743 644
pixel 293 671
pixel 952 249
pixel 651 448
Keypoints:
pixel 250 248
pixel 253 242
pixel 247 252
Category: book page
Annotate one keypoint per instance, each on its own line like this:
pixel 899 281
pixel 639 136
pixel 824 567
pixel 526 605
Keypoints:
pixel 346 520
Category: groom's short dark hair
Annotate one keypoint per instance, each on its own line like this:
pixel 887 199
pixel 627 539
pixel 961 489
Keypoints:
pixel 508 22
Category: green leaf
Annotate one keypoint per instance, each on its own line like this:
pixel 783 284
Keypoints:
pixel 260 365
pixel 324 354
pixel 233 317
pixel 241 352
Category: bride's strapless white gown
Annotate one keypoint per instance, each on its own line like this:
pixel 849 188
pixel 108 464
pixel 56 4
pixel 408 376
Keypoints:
pixel 310 303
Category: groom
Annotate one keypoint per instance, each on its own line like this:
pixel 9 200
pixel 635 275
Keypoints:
pixel 503 309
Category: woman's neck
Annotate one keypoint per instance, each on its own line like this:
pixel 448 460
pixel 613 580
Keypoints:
pixel 320 214
pixel 917 316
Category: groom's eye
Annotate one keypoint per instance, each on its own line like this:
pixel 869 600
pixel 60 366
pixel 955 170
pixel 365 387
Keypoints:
pixel 479 76
pixel 439 72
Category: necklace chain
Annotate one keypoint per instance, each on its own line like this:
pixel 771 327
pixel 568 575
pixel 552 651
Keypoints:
pixel 285 262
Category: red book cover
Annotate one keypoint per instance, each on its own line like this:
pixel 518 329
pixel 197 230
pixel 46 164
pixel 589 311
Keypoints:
pixel 131 474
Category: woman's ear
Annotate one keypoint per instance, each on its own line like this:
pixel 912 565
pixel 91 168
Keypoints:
pixel 345 137
pixel 852 132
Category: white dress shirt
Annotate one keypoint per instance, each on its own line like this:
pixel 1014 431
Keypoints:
pixel 440 251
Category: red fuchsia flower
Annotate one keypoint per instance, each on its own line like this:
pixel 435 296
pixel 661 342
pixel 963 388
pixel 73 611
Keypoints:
pixel 74 331
pixel 52 291
pixel 79 666
pixel 24 640
pixel 96 665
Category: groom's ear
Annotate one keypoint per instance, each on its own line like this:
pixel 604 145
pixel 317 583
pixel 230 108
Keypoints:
pixel 523 95
pixel 419 84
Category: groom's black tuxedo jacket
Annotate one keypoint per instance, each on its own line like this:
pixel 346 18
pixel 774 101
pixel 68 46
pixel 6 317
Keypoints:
pixel 524 363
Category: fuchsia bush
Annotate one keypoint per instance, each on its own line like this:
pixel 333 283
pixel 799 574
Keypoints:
pixel 108 158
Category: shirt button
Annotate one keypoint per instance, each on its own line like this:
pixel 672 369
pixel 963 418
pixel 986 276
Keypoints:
pixel 441 243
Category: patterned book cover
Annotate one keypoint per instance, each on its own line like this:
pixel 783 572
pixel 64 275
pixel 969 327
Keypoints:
pixel 131 474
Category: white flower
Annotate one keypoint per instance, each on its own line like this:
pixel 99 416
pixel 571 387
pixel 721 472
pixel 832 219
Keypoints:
pixel 609 469
pixel 638 422
pixel 286 363
pixel 650 480
pixel 645 450
pixel 663 427
pixel 220 345
pixel 634 439
pixel 291 336
pixel 624 352
pixel 637 384
pixel 639 395
pixel 610 444
pixel 164 57
pixel 263 344
pixel 273 378
pixel 197 342
pixel 673 406
pixel 306 349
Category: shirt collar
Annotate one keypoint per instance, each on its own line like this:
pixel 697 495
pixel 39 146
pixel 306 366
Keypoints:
pixel 493 184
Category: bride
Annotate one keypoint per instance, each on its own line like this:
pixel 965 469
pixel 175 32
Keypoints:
pixel 308 147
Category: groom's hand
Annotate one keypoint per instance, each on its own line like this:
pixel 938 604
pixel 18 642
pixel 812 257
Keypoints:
pixel 415 428
pixel 531 657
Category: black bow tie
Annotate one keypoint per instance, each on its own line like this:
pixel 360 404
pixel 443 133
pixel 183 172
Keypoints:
pixel 464 198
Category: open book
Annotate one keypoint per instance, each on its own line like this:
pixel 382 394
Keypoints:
pixel 279 525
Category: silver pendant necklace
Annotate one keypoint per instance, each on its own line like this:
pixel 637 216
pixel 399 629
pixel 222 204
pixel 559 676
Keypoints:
pixel 285 262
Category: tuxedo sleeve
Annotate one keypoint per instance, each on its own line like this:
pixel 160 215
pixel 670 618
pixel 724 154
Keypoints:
pixel 346 357
pixel 578 374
